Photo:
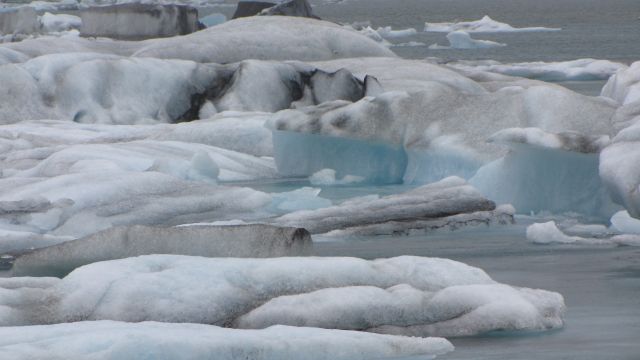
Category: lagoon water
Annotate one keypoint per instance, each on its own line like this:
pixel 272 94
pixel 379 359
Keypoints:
pixel 601 29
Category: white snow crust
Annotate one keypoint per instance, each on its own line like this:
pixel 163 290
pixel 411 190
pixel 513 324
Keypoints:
pixel 120 340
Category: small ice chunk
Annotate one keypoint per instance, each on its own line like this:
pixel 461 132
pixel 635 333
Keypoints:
pixel 305 198
pixel 624 223
pixel 327 177
pixel 462 40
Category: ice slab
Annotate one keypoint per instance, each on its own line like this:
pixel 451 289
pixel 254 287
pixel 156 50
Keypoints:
pixel 254 241
pixel 502 215
pixel 136 21
pixel 20 20
pixel 460 39
pixel 451 196
pixel 486 24
pixel 445 296
pixel 120 340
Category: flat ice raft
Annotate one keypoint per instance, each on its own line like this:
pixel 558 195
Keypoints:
pixel 403 295
pixel 151 340
pixel 126 241
pixel 450 202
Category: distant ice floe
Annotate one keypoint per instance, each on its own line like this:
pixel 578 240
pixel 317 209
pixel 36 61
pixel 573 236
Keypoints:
pixel 549 233
pixel 388 33
pixel 460 39
pixel 575 70
pixel 121 340
pixel 486 24
pixel 435 297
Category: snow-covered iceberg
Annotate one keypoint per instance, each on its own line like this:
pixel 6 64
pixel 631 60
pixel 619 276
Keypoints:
pixel 253 241
pixel 120 340
pixel 438 296
pixel 486 24
pixel 428 206
pixel 266 38
pixel 100 88
pixel 427 134
pixel 461 39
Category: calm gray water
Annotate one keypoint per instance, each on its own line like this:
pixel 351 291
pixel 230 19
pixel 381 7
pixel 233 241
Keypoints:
pixel 602 29
pixel 601 287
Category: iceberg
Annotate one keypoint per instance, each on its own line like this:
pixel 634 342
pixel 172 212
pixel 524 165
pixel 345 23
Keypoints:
pixel 253 241
pixel 460 39
pixel 437 295
pixel 265 38
pixel 486 24
pixel 451 196
pixel 120 340
pixel 425 135
pixel 547 172
pixel 101 88
pixel 618 168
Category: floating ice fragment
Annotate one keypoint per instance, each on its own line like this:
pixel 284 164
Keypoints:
pixel 486 24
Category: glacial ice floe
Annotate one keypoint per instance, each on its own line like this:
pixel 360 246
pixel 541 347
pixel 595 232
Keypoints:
pixel 574 70
pixel 486 24
pixel 436 295
pixel 170 341
pixel 254 241
pixel 461 39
